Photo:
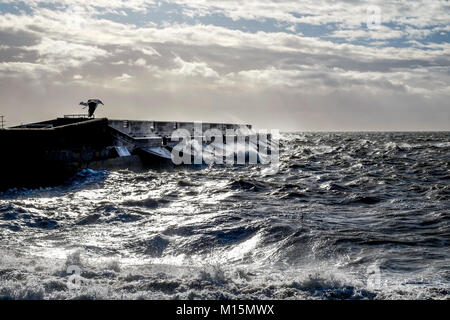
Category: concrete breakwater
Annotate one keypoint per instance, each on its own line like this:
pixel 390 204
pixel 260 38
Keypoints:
pixel 47 153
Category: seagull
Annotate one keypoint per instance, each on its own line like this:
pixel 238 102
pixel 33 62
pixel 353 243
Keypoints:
pixel 92 104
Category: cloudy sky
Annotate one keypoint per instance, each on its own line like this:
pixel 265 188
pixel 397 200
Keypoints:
pixel 290 65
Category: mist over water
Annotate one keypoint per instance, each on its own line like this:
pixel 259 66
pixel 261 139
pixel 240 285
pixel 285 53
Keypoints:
pixel 348 216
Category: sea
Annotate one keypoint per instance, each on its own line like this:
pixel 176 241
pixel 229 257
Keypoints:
pixel 345 216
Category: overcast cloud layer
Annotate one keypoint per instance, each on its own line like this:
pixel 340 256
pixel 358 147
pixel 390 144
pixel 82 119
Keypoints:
pixel 292 65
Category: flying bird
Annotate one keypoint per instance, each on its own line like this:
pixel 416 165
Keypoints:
pixel 92 104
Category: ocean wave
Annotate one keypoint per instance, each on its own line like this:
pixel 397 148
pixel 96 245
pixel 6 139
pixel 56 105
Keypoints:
pixel 342 208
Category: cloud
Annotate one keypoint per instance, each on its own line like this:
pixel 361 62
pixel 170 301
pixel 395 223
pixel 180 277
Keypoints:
pixel 149 51
pixel 193 69
pixel 379 33
pixel 304 61
pixel 123 78
pixel 18 69
pixel 140 62
pixel 63 54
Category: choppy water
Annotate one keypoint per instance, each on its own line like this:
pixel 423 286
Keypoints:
pixel 353 216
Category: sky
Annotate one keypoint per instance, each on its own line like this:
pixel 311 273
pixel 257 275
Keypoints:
pixel 310 65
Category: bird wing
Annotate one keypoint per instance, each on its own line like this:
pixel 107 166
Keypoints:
pixel 97 101
pixel 83 104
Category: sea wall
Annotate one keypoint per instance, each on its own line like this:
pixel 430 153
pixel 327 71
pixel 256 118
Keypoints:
pixel 165 129
pixel 48 152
